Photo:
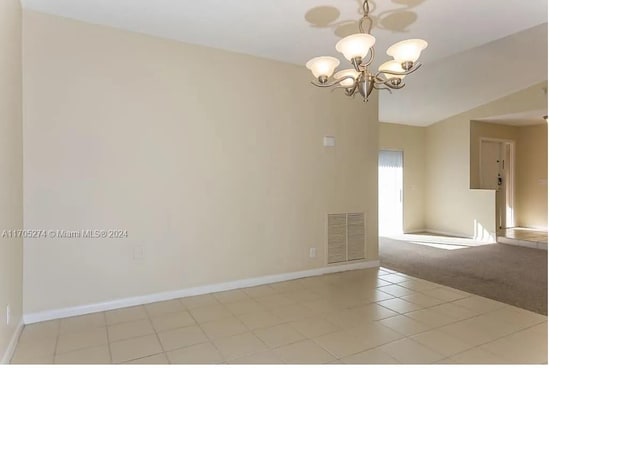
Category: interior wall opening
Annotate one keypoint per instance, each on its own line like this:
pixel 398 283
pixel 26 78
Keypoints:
pixel 390 193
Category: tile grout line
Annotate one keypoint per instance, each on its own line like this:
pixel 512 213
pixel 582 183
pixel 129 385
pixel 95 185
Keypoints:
pixel 55 347
pixel 199 326
pixel 494 340
pixel 108 339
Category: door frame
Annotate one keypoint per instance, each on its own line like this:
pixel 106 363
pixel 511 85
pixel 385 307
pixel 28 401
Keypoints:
pixel 401 151
pixel 511 182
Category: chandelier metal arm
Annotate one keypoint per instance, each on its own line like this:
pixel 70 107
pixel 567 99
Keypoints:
pixel 332 84
pixel 362 66
pixel 365 19
pixel 393 72
pixel 347 91
pixel 391 85
pixel 381 87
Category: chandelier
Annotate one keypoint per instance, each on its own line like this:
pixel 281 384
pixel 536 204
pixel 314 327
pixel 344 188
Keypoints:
pixel 359 51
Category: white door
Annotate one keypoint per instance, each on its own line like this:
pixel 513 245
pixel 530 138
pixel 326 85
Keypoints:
pixel 390 206
pixel 496 172
pixel 490 157
pixel 507 175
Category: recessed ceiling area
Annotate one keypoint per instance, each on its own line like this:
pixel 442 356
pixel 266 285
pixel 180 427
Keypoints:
pixel 520 119
pixel 479 50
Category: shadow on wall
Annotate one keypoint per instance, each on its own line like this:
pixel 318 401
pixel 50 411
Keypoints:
pixel 397 20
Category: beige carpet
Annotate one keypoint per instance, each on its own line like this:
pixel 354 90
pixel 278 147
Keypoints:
pixel 511 274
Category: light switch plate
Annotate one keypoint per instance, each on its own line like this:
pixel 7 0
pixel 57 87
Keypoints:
pixel 329 141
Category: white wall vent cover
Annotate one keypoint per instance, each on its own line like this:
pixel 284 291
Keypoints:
pixel 346 237
pixel 355 236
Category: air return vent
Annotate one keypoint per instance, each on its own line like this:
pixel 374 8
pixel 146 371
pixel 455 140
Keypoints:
pixel 346 237
pixel 337 238
pixel 355 236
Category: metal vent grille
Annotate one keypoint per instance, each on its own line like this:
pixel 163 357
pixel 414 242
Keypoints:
pixel 346 237
pixel 355 236
pixel 337 249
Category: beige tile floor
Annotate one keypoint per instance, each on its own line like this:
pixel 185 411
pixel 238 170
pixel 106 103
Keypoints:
pixel 526 237
pixel 527 234
pixel 373 316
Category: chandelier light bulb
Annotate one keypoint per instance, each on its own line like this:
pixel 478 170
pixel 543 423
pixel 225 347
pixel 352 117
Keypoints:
pixel 356 45
pixel 323 67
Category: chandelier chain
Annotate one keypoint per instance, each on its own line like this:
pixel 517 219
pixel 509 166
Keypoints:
pixel 365 19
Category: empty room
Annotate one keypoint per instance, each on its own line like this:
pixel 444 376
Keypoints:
pixel 290 182
pixel 315 233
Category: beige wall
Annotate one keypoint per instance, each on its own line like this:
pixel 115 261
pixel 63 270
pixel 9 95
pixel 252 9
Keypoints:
pixel 213 162
pixel 450 205
pixel 10 169
pixel 531 177
pixel 410 140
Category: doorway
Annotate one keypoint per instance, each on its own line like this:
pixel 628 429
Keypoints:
pixel 497 171
pixel 390 195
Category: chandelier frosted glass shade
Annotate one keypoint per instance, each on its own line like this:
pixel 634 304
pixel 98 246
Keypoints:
pixel 392 66
pixel 407 51
pixel 347 82
pixel 323 66
pixel 356 45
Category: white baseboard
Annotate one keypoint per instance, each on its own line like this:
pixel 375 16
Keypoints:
pixel 453 235
pixel 202 290
pixel 450 233
pixel 13 343
pixel 437 232
pixel 534 227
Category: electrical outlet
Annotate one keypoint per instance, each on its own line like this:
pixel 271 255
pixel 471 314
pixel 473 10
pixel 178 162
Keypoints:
pixel 312 252
pixel 138 253
pixel 8 315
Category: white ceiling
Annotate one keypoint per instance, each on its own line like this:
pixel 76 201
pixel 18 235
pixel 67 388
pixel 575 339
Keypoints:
pixel 474 56
pixel 469 79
